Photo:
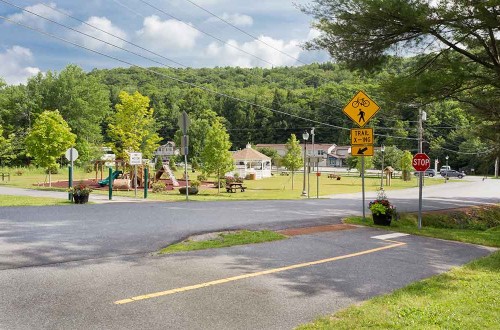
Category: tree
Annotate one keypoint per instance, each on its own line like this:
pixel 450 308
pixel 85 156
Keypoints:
pixel 355 162
pixel 198 131
pixel 48 139
pixel 273 154
pixel 293 158
pixel 215 156
pixel 131 128
pixel 392 157
pixel 456 42
pixel 7 153
pixel 406 166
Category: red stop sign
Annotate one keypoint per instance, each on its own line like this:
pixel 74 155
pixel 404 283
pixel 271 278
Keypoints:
pixel 421 162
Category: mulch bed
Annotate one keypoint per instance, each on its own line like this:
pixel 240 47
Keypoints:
pixel 317 229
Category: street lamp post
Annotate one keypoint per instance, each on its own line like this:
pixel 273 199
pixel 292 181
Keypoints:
pixel 446 177
pixel 382 149
pixel 305 136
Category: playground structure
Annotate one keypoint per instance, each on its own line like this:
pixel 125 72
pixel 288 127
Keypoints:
pixel 166 169
pixel 124 179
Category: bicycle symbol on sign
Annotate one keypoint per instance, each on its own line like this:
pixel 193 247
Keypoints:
pixel 362 102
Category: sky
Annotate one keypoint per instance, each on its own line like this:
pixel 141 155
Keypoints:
pixel 175 33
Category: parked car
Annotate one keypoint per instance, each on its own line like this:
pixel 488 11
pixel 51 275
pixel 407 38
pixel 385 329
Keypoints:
pixel 444 168
pixel 452 174
pixel 428 172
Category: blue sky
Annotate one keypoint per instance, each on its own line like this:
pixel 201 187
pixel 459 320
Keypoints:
pixel 279 26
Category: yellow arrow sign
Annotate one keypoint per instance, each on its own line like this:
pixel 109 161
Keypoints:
pixel 362 136
pixel 361 151
pixel 361 109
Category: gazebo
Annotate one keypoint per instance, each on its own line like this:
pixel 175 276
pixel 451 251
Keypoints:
pixel 250 162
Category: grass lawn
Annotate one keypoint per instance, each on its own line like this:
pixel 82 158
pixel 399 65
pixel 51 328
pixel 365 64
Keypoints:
pixel 8 200
pixel 476 225
pixel 276 187
pixel 464 298
pixel 225 240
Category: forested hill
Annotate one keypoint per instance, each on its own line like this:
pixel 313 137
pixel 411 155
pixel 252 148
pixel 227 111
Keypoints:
pixel 246 98
pixel 259 106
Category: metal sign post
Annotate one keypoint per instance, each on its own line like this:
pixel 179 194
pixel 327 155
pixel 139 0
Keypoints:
pixel 71 155
pixel 363 184
pixel 360 109
pixel 135 159
pixel 184 125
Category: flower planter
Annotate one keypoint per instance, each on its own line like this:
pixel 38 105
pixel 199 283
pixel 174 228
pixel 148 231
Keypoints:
pixel 191 190
pixel 80 199
pixel 382 219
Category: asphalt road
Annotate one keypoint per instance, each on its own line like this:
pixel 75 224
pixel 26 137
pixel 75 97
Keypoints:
pixel 82 295
pixel 32 236
pixel 65 267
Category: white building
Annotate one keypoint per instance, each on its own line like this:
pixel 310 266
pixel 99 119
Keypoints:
pixel 249 161
pixel 166 151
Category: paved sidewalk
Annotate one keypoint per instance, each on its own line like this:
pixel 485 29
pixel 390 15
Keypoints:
pixel 95 198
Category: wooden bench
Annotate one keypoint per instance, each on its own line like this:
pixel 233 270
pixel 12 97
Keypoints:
pixel 233 187
pixel 287 173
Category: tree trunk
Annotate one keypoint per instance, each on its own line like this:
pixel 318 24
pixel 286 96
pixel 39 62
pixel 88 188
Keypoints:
pixel 218 181
pixel 292 180
pixel 50 181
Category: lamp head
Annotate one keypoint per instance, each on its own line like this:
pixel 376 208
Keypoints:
pixel 382 148
pixel 446 157
pixel 305 135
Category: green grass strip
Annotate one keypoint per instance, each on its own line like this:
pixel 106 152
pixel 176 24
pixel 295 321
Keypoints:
pixel 408 224
pixel 464 298
pixel 10 200
pixel 225 240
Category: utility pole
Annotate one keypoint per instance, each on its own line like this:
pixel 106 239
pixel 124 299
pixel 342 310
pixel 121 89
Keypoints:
pixel 308 166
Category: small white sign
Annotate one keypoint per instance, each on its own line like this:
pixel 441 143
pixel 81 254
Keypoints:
pixel 71 152
pixel 135 158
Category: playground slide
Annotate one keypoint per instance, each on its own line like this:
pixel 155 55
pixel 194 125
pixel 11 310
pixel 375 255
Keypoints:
pixel 114 175
pixel 171 176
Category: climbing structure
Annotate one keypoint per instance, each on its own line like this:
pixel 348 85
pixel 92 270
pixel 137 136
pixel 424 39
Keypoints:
pixel 168 170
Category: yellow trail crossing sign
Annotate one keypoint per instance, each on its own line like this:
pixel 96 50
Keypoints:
pixel 361 151
pixel 361 109
pixel 362 136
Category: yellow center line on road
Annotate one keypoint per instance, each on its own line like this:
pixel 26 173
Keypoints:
pixel 261 273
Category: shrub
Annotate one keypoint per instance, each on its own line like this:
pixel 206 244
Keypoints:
pixel 53 170
pixel 19 172
pixel 195 183
pixel 202 177
pixel 159 187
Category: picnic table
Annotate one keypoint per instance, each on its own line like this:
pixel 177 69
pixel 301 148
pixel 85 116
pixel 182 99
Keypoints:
pixel 5 175
pixel 232 187
pixel 333 176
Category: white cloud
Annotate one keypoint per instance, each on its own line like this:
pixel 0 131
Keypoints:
pixel 13 69
pixel 104 24
pixel 235 19
pixel 40 9
pixel 227 55
pixel 313 33
pixel 169 34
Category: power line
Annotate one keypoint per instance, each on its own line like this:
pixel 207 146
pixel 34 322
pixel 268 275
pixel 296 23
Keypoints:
pixel 244 32
pixel 195 28
pixel 162 74
pixel 121 39
pixel 112 35
pixel 168 76
pixel 88 35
